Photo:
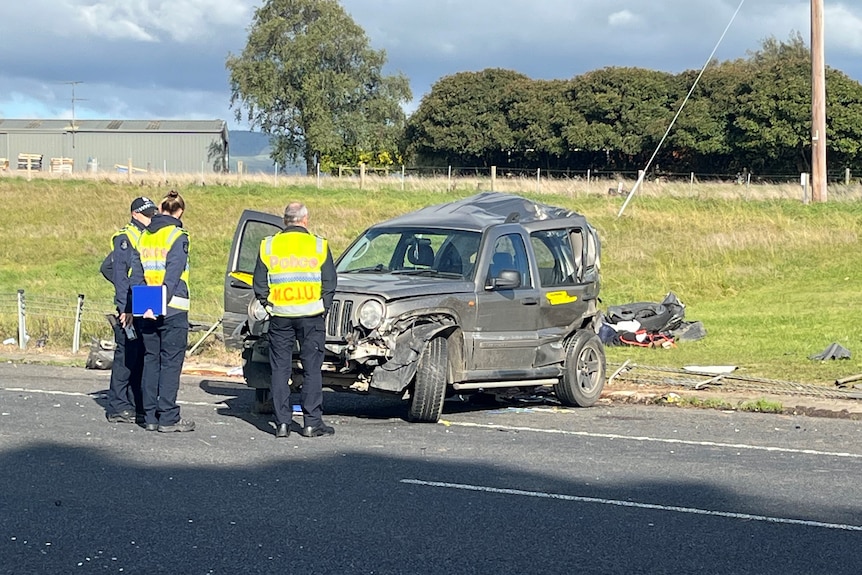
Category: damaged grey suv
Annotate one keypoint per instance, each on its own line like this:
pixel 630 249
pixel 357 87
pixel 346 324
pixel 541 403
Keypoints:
pixel 486 293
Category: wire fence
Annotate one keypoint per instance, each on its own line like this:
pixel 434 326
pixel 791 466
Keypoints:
pixel 482 174
pixel 839 176
pixel 30 320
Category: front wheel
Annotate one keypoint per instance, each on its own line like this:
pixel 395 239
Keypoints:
pixel 584 371
pixel 429 389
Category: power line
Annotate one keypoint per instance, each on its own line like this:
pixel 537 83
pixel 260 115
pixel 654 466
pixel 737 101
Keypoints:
pixel 702 70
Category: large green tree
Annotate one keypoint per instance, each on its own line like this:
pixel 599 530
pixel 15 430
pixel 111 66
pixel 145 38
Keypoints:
pixel 309 79
pixel 537 122
pixel 772 115
pixel 698 140
pixel 466 118
pixel 746 114
pixel 844 120
pixel 625 111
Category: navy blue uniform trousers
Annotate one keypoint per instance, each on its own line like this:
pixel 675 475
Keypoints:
pixel 284 333
pixel 124 391
pixel 165 342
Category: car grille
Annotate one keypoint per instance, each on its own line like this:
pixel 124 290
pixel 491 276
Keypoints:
pixel 339 321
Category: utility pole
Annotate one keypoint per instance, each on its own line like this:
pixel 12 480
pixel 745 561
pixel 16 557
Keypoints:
pixel 818 105
pixel 74 128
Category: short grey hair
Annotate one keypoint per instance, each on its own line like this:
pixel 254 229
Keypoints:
pixel 294 213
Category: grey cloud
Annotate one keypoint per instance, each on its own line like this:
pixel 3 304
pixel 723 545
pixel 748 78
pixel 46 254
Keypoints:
pixel 165 58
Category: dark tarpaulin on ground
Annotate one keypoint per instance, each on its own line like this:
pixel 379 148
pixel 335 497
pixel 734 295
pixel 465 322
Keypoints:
pixel 834 351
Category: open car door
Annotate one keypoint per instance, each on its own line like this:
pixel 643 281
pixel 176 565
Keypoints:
pixel 250 230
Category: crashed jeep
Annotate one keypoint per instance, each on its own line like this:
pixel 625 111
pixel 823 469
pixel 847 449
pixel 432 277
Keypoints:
pixel 484 294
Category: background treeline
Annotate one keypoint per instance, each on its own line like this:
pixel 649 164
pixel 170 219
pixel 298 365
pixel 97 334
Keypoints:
pixel 749 114
pixel 309 79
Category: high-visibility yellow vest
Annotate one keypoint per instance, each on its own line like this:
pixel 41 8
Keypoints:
pixel 154 248
pixel 294 261
pixel 131 231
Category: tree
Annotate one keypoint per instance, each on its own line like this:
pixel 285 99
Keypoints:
pixel 844 117
pixel 308 78
pixel 537 121
pixel 216 155
pixel 698 140
pixel 771 128
pixel 625 113
pixel 465 118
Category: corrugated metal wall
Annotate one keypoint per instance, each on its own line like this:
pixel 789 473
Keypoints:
pixel 176 153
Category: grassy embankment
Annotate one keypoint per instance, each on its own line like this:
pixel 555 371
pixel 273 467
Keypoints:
pixel 773 280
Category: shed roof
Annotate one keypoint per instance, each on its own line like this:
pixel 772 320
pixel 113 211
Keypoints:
pixel 168 126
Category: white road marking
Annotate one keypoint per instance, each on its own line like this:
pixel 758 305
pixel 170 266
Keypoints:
pixel 97 395
pixel 656 439
pixel 617 502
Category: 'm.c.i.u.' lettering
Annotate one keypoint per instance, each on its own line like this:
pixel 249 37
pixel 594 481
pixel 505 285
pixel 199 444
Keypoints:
pixel 295 293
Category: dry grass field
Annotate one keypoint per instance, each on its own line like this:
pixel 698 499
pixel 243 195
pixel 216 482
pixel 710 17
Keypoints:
pixel 774 279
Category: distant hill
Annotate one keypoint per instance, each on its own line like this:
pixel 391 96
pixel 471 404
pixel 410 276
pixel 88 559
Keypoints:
pixel 246 143
pixel 252 149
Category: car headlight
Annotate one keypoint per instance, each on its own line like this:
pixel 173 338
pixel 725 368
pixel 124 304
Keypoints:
pixel 371 314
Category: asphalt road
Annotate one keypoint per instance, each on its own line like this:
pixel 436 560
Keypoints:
pixel 610 489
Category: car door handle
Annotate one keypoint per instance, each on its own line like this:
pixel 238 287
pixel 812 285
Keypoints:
pixel 240 285
pixel 530 301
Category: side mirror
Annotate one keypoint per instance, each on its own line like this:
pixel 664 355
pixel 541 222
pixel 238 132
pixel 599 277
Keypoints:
pixel 508 279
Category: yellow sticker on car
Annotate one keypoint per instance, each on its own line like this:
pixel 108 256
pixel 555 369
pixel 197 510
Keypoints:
pixel 560 297
pixel 244 277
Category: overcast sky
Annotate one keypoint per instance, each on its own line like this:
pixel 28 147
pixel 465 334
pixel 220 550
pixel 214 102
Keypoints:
pixel 164 59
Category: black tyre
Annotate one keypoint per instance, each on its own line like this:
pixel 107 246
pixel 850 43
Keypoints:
pixel 258 376
pixel 584 371
pixel 263 402
pixel 429 389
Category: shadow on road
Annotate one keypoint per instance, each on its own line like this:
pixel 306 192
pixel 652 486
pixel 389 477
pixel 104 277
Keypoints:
pixel 241 403
pixel 82 509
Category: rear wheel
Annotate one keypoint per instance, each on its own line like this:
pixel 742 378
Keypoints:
pixel 258 376
pixel 584 371
pixel 429 389
pixel 263 402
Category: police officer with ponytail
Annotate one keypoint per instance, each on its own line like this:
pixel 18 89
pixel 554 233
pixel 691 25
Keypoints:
pixel 295 280
pixel 163 259
pixel 124 391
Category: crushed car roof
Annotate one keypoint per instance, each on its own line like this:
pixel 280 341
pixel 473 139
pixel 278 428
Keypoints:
pixel 480 211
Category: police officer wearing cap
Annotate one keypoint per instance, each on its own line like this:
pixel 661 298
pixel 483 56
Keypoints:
pixel 163 260
pixel 124 392
pixel 294 279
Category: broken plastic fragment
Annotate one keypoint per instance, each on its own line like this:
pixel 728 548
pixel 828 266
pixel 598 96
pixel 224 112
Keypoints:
pixel 713 369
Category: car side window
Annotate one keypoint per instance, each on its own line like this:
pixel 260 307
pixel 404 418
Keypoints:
pixel 558 255
pixel 249 247
pixel 510 254
pixel 593 259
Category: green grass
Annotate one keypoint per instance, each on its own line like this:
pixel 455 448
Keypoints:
pixel 760 405
pixel 772 280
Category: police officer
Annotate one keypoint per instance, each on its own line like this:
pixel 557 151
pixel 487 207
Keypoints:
pixel 294 278
pixel 124 392
pixel 163 259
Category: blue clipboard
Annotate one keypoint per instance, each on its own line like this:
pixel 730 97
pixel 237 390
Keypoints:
pixel 149 297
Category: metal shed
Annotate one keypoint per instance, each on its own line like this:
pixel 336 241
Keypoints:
pixel 169 146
